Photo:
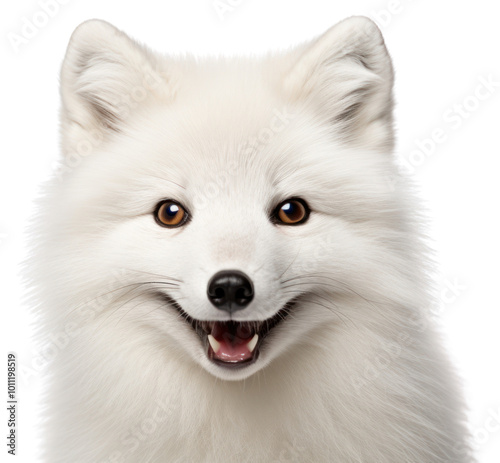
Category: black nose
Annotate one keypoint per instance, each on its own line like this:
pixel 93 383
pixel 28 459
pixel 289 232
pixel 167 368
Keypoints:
pixel 230 290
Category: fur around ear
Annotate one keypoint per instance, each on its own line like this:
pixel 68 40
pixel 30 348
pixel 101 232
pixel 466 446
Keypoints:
pixel 104 76
pixel 347 75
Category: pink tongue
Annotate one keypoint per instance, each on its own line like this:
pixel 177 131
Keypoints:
pixel 233 339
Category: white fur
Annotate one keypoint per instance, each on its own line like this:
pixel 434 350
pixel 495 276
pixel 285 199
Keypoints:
pixel 355 374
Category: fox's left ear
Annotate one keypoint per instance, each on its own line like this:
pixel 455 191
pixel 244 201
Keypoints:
pixel 105 76
pixel 347 76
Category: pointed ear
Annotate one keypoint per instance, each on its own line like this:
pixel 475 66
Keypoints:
pixel 105 76
pixel 347 77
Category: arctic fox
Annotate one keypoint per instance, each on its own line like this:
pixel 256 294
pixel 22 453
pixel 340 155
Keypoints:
pixel 235 264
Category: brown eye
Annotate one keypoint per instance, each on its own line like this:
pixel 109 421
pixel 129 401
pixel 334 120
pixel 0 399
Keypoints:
pixel 291 212
pixel 171 214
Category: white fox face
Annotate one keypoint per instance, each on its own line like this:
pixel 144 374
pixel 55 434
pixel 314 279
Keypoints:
pixel 245 206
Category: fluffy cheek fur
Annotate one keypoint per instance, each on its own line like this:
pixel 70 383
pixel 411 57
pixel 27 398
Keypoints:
pixel 357 266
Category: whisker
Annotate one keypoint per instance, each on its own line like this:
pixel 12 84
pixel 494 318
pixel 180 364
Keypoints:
pixel 333 310
pixel 118 308
pixel 289 265
pixel 129 310
pixel 151 311
pixel 166 277
pixel 133 287
pixel 88 301
pixel 301 280
pixel 341 283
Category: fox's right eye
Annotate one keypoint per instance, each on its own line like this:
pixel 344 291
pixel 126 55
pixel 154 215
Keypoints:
pixel 170 214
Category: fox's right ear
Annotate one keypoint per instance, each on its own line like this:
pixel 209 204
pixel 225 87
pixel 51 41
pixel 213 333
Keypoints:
pixel 105 75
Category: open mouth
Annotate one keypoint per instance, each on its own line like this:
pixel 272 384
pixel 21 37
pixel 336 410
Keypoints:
pixel 234 344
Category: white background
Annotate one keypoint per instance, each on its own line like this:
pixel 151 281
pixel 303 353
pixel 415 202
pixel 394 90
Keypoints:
pixel 441 52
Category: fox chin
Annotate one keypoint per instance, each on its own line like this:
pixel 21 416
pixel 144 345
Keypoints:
pixel 235 264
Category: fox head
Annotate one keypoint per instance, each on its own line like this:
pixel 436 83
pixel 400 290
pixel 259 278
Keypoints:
pixel 231 211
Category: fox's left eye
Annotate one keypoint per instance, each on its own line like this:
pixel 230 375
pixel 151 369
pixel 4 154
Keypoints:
pixel 171 214
pixel 291 212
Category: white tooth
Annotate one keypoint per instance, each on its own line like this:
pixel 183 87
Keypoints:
pixel 253 342
pixel 214 343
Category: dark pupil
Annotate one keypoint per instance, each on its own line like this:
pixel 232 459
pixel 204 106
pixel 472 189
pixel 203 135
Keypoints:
pixel 172 210
pixel 289 209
